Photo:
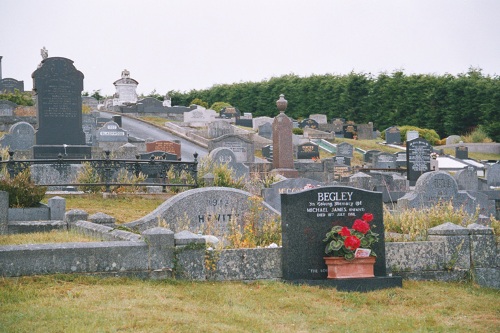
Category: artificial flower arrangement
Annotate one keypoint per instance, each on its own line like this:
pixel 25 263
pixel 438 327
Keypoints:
pixel 352 243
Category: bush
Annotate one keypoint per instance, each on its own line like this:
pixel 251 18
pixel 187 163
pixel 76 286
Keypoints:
pixel 478 135
pixel 297 131
pixel 23 193
pixel 223 174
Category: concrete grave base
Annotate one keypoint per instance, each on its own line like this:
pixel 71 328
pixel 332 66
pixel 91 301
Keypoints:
pixel 358 284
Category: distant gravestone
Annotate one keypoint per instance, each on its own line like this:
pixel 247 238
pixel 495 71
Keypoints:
pixel 345 149
pixel 111 132
pixel 89 126
pixel 7 107
pixel 165 146
pixel 219 128
pixel 467 179
pixel 58 86
pixel 384 161
pixel 242 148
pixel 230 112
pixel 150 105
pixel 364 131
pixel 272 195
pixel 266 131
pixel 226 156
pixel 311 123
pixel 307 151
pixel 341 172
pixel 319 118
pixel 462 152
pixel 418 157
pixel 267 152
pixel 493 175
pixel 199 207
pixel 368 156
pixel 453 139
pixel 349 130
pixel 393 135
pixel 21 136
pixel 10 85
pixel 342 160
pixel 308 215
pixel 158 155
pixel 259 121
pixel 400 159
pixel 91 102
pixel 338 125
pixel 199 117
pixel 411 135
pixel 438 186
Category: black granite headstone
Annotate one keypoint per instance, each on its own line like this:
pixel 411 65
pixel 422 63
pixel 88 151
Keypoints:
pixel 418 158
pixel 58 85
pixel 311 123
pixel 307 151
pixel 462 152
pixel 308 215
pixel 267 152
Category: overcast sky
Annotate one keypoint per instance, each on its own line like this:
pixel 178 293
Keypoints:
pixel 195 44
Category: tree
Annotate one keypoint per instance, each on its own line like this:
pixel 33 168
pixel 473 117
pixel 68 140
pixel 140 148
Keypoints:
pixel 217 106
pixel 199 102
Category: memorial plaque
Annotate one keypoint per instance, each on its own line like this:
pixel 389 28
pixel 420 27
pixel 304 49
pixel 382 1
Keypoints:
pixel 341 172
pixel 418 158
pixel 58 85
pixel 307 151
pixel 311 123
pixel 308 215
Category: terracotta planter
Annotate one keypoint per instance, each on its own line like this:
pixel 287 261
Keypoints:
pixel 339 268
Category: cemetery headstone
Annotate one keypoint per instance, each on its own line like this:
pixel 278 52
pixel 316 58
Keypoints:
pixel 242 148
pixel 283 142
pixel 226 156
pixel 111 132
pixel 349 130
pixel 384 161
pixel 7 107
pixel 411 135
pixel 338 126
pixel 91 102
pixel 307 151
pixel 311 123
pixel 165 146
pixel 341 173
pixel 230 112
pixel 267 152
pixel 158 155
pixel 453 139
pixel 219 128
pixel 21 136
pixel 393 135
pixel 493 175
pixel 117 119
pixel 319 118
pixel 342 160
pixel 345 149
pixel 368 156
pixel 266 131
pixel 306 218
pixel 400 159
pixel 364 131
pixel 150 105
pixel 272 195
pixel 467 179
pixel 462 152
pixel 58 86
pixel 259 121
pixel 418 156
pixel 10 85
pixel 199 117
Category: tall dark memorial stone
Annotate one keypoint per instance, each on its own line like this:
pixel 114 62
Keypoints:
pixel 58 85
pixel 306 218
pixel 418 158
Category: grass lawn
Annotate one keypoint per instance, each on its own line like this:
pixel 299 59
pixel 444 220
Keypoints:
pixel 72 303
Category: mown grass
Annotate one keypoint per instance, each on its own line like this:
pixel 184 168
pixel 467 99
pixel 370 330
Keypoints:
pixel 54 236
pixel 123 207
pixel 70 303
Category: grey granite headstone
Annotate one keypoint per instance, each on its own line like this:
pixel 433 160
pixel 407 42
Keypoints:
pixel 7 107
pixel 111 132
pixel 21 136
pixel 259 121
pixel 411 135
pixel 91 102
pixel 10 85
pixel 219 128
pixel 242 148
pixel 267 152
pixel 342 160
pixel 319 118
pixel 307 216
pixel 345 149
pixel 361 180
pixel 338 125
pixel 226 156
pixel 384 161
pixel 467 179
pixel 57 207
pixel 200 206
pixel 393 135
pixel 453 139
pixel 493 175
pixel 272 194
pixel 266 131
pixel 368 156
pixel 434 187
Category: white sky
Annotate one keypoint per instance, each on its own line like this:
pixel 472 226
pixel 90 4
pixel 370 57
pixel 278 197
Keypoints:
pixel 194 44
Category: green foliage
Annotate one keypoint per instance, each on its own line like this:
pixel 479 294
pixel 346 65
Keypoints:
pixel 428 134
pixel 297 131
pixel 222 173
pixel 218 106
pixel 20 98
pixel 199 102
pixel 97 95
pixel 22 190
pixel 88 175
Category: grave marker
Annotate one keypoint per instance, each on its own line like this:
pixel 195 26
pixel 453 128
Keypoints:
pixel 165 146
pixel 418 158
pixel 345 149
pixel 393 135
pixel 307 151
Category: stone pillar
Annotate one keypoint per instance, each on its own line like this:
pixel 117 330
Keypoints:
pixel 190 256
pixel 57 206
pixel 4 212
pixel 282 142
pixel 457 245
pixel 161 251
pixel 484 256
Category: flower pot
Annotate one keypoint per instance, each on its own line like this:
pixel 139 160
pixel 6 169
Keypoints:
pixel 340 268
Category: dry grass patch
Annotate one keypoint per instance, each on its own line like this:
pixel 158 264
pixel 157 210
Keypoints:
pixel 68 303
pixel 54 236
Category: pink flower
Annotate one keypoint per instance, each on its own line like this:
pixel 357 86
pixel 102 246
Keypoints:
pixel 361 226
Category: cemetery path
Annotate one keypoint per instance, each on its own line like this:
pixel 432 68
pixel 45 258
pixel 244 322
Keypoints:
pixel 145 131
